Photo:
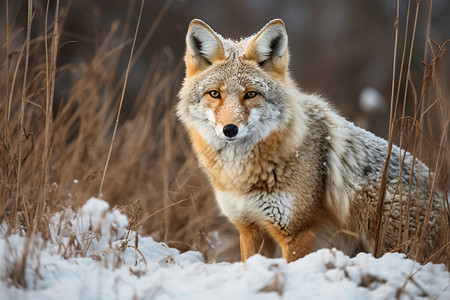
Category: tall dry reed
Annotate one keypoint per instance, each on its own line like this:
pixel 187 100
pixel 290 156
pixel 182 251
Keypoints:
pixel 56 136
pixel 423 131
pixel 58 122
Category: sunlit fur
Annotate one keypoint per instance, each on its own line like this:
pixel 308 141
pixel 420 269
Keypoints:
pixel 296 172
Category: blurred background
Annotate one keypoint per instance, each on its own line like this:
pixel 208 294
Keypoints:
pixel 338 48
pixel 341 49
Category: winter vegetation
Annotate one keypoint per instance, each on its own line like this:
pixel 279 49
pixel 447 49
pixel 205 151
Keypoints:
pixel 101 196
pixel 106 260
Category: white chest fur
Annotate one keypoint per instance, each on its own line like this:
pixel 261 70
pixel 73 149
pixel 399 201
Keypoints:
pixel 276 208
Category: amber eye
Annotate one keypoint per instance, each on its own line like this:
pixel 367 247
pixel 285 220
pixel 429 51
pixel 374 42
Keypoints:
pixel 214 94
pixel 250 94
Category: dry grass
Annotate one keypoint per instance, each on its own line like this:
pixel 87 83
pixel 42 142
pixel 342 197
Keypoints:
pixel 57 123
pixel 56 130
pixel 423 132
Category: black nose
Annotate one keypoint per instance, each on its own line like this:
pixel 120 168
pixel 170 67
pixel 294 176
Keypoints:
pixel 230 130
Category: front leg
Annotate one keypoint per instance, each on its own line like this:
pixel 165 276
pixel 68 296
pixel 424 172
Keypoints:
pixel 254 240
pixel 297 246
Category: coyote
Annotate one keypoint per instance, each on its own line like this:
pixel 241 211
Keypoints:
pixel 285 167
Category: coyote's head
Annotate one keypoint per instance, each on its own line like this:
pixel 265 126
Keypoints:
pixel 235 91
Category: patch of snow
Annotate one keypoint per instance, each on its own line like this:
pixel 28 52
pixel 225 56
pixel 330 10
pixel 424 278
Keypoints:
pixel 156 271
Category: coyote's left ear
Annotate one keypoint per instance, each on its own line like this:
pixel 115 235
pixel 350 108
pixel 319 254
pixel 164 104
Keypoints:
pixel 269 47
pixel 204 47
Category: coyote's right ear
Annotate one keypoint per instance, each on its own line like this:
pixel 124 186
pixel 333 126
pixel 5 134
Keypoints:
pixel 203 47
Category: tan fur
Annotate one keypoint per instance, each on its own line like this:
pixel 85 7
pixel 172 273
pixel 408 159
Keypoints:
pixel 225 110
pixel 295 172
pixel 254 240
pixel 258 176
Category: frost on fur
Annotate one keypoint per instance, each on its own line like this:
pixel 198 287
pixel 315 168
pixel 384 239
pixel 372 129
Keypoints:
pixel 294 171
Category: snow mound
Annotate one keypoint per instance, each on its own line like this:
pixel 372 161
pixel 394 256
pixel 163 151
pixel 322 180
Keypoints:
pixel 92 228
pixel 114 266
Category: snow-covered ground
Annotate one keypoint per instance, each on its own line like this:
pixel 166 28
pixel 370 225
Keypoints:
pixel 112 267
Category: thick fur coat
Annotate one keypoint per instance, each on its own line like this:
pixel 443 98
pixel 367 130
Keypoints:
pixel 285 167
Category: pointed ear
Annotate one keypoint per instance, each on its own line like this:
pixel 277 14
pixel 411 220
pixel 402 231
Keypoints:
pixel 269 47
pixel 203 47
